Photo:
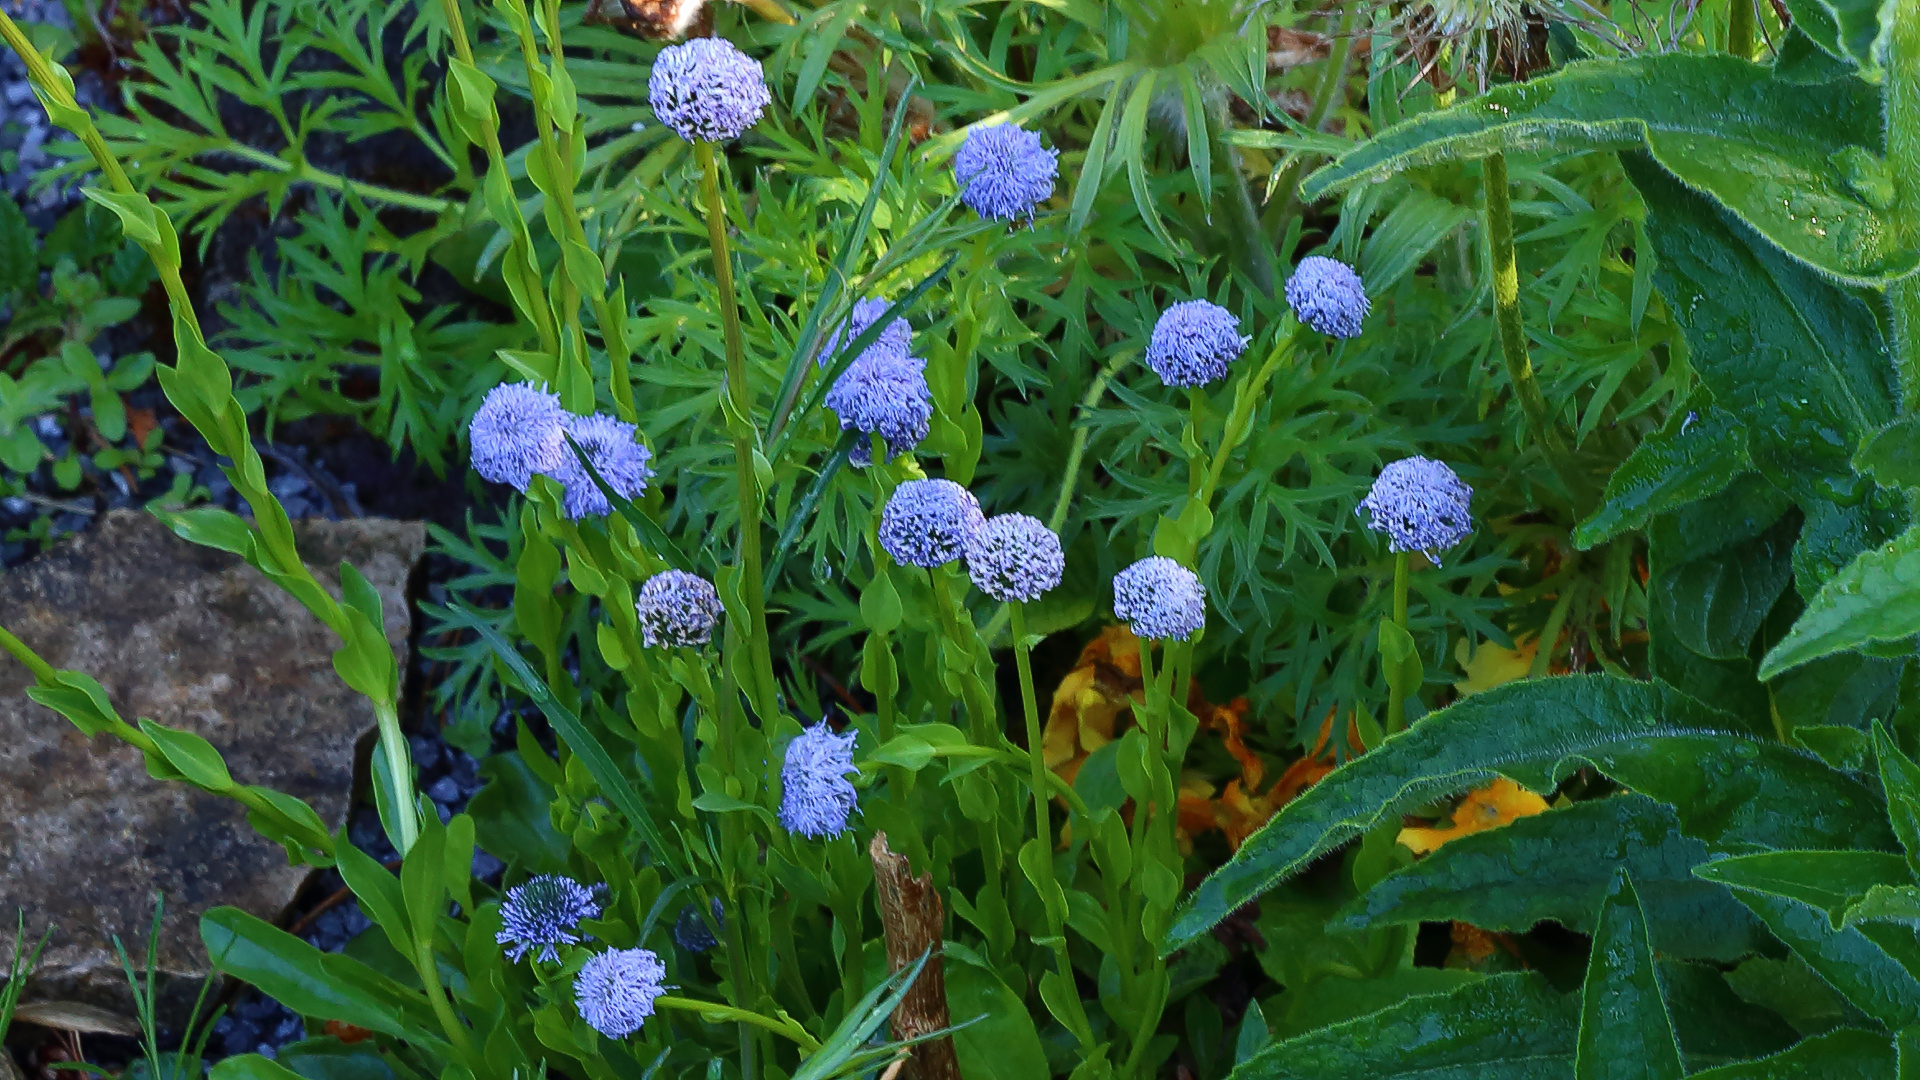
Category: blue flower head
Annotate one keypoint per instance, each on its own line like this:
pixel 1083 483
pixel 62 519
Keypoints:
pixel 816 797
pixel 677 609
pixel 615 990
pixel 690 930
pixel 927 522
pixel 885 394
pixel 1327 295
pixel 895 339
pixel 1004 171
pixel 617 456
pixel 1421 505
pixel 1193 343
pixel 541 913
pixel 516 433
pixel 1160 600
pixel 1015 558
pixel 706 90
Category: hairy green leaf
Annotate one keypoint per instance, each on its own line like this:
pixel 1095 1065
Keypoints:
pixel 1698 453
pixel 1846 1054
pixel 1772 152
pixel 1864 970
pixel 1509 1027
pixel 1875 598
pixel 1829 880
pixel 1732 791
pixel 1558 866
pixel 1853 30
pixel 1624 1027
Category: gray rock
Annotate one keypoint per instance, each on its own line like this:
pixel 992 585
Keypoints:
pixel 197 640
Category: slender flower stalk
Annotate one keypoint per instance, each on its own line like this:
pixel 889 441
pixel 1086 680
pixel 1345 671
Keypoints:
pixel 745 439
pixel 1396 698
pixel 1903 161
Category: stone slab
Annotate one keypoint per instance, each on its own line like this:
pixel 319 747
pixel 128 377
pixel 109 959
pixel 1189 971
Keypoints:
pixel 192 638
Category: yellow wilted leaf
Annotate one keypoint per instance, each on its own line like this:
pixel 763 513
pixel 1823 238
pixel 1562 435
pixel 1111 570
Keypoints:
pixel 1490 807
pixel 1490 665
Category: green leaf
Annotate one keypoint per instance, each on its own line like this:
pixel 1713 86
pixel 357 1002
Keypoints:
pixel 1875 598
pixel 1761 147
pixel 312 983
pixel 511 819
pixel 1829 880
pixel 1731 791
pixel 1334 999
pixel 1886 903
pixel 1892 454
pixel 1850 960
pixel 1846 1054
pixel 1698 453
pixel 1900 779
pixel 1853 30
pixel 251 1067
pixel 1003 1044
pixel 192 757
pixel 1716 603
pixel 1799 360
pixel 1713 1023
pixel 1558 866
pixel 378 894
pixel 1624 1027
pixel 1509 1027
pixel 19 249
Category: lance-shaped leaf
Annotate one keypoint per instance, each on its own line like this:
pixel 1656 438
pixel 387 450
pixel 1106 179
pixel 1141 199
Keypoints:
pixel 1874 598
pixel 1509 1027
pixel 1625 1031
pixel 1870 965
pixel 1734 792
pixel 1558 866
pixel 1846 1054
pixel 1698 453
pixel 1800 163
pixel 1853 30
pixel 1832 881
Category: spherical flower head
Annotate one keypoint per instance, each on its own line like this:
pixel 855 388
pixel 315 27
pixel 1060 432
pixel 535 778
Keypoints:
pixel 816 797
pixel 616 455
pixel 927 522
pixel 690 931
pixel 894 340
pixel 1004 172
pixel 1421 505
pixel 706 90
pixel 1327 295
pixel 1015 558
pixel 615 990
pixel 1193 343
pixel 1160 600
pixel 677 608
pixel 884 394
pixel 541 913
pixel 516 433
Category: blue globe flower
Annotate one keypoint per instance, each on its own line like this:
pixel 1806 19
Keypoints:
pixel 1015 558
pixel 895 339
pixel 927 522
pixel 615 990
pixel 1004 171
pixel 542 913
pixel 516 433
pixel 1193 343
pixel 1328 296
pixel 677 609
pixel 883 393
pixel 816 797
pixel 617 456
pixel 1421 505
pixel 1160 600
pixel 707 90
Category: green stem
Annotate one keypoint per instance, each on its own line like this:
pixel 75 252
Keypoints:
pixel 429 969
pixel 981 716
pixel 1396 700
pixel 1043 826
pixel 1513 330
pixel 714 1011
pixel 745 438
pixel 1740 28
pixel 1903 163
pixel 1333 80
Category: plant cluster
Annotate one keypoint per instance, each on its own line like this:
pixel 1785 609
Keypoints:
pixel 832 369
